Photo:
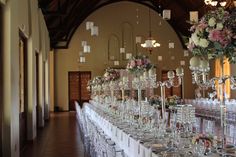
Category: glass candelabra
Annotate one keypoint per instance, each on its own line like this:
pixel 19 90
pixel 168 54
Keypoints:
pixel 200 69
pixel 124 85
pixel 113 86
pixel 169 83
pixel 139 84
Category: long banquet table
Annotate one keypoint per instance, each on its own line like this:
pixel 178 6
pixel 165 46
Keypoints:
pixel 131 146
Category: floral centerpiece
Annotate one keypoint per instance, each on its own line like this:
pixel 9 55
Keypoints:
pixel 214 35
pixel 173 100
pixel 155 100
pixel 137 65
pixel 98 80
pixel 111 75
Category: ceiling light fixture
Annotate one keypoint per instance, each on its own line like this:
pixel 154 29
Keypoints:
pixel 214 3
pixel 150 43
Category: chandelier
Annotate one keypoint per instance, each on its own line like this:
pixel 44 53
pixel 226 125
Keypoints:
pixel 150 43
pixel 214 3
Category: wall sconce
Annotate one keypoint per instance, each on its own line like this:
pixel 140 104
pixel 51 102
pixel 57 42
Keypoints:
pixel 193 16
pixel 186 53
pixel 171 45
pixel 128 55
pixel 83 43
pixel 82 59
pixel 89 25
pixel 166 14
pixel 182 63
pixel 87 49
pixel 116 63
pixel 94 31
pixel 159 58
pixel 138 39
pixel 122 50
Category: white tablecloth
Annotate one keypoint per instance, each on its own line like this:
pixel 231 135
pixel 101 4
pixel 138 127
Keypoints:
pixel 131 147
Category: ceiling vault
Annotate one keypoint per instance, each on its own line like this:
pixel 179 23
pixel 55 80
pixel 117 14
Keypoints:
pixel 63 17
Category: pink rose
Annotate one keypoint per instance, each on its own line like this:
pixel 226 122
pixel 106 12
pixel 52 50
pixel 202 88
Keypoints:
pixel 139 62
pixel 132 63
pixel 202 26
pixel 215 35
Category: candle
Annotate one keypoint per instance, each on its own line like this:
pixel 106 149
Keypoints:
pixel 141 78
pixel 170 74
pixel 145 74
pixel 146 99
pixel 204 77
pixel 150 72
pixel 179 71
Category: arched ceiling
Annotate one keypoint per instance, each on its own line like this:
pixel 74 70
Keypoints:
pixel 64 16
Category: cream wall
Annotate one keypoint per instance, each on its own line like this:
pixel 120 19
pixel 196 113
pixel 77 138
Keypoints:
pixel 10 126
pixel 109 19
pixel 21 16
pixel 51 82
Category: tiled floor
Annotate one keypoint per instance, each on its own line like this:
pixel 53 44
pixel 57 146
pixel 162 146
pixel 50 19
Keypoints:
pixel 59 138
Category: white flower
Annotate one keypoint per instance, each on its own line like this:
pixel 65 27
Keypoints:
pixel 195 38
pixel 219 26
pixel 212 22
pixel 203 43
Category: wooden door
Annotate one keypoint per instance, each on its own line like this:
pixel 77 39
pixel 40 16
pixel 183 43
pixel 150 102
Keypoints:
pixel 23 90
pixel 74 89
pixel 84 93
pixel 173 90
pixel 78 88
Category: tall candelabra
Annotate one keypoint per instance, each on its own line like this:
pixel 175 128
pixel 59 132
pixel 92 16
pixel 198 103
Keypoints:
pixel 200 69
pixel 139 84
pixel 113 86
pixel 124 85
pixel 169 83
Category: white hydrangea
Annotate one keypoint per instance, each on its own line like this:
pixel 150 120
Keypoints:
pixel 212 22
pixel 203 43
pixel 219 26
pixel 195 38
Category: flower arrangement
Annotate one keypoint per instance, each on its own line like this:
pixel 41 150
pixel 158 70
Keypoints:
pixel 214 35
pixel 207 139
pixel 111 75
pixel 155 100
pixel 139 64
pixel 173 100
pixel 98 80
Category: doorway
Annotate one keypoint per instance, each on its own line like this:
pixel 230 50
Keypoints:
pixel 78 81
pixel 23 90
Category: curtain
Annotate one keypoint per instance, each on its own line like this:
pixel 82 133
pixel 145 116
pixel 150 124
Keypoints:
pixel 218 73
